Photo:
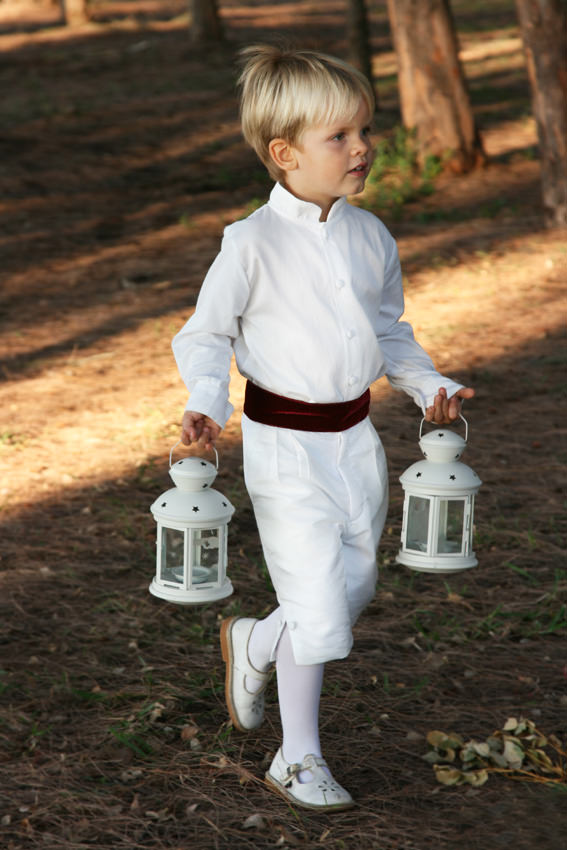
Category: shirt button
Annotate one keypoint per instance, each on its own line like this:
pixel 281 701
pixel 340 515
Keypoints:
pixel 350 334
pixel 351 380
pixel 292 625
pixel 340 284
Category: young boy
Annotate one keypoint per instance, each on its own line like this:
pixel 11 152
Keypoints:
pixel 307 292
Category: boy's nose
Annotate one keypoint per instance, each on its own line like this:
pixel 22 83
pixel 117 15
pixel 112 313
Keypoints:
pixel 360 146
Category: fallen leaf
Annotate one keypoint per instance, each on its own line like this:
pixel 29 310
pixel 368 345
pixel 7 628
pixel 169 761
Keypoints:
pixel 414 736
pixel 444 741
pixel 457 599
pixel 255 821
pixel 131 774
pixel 541 760
pixel 157 711
pixel 151 813
pixel 476 778
pixel 189 731
pixel 513 754
pixel 286 838
pixel 447 775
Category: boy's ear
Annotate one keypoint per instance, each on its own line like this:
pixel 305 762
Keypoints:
pixel 283 154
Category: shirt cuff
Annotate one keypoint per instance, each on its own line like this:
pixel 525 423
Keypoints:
pixel 206 399
pixel 451 386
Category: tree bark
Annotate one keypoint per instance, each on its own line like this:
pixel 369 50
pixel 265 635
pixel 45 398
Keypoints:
pixel 206 26
pixel 544 33
pixel 433 93
pixel 74 12
pixel 360 52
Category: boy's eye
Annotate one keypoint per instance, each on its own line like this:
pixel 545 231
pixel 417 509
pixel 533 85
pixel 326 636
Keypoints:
pixel 338 136
pixel 366 131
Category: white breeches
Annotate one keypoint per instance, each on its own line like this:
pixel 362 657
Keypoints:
pixel 320 501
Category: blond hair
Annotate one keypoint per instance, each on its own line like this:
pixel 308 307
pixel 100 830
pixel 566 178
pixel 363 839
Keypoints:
pixel 284 91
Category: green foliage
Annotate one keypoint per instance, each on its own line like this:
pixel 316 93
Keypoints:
pixel 518 750
pixel 11 438
pixel 185 220
pixel 35 734
pixel 87 696
pixel 134 741
pixel 133 732
pixel 397 176
pixel 525 574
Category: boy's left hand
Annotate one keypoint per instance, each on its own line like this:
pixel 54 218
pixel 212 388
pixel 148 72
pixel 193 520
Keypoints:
pixel 445 410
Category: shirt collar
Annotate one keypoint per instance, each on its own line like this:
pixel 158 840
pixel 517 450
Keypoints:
pixel 306 212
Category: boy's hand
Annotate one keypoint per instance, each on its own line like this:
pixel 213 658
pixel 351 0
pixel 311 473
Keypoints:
pixel 198 428
pixel 445 410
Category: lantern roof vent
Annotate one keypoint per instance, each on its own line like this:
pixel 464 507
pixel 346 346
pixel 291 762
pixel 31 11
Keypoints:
pixel 450 478
pixel 191 474
pixel 192 507
pixel 442 446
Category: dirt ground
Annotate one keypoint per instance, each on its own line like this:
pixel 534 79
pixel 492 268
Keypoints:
pixel 120 163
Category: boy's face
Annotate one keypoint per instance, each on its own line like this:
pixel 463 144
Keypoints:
pixel 332 160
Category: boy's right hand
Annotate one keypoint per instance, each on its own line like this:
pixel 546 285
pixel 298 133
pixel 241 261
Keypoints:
pixel 445 410
pixel 198 428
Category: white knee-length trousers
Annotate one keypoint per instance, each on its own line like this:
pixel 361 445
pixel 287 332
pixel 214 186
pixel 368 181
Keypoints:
pixel 320 501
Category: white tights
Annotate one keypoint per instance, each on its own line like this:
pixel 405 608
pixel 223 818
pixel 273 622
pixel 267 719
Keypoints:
pixel 299 689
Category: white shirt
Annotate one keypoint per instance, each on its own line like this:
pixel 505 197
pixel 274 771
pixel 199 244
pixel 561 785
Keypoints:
pixel 311 309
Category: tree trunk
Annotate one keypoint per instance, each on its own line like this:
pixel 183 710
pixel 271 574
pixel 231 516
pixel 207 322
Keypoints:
pixel 544 32
pixel 74 12
pixel 205 22
pixel 360 52
pixel 433 92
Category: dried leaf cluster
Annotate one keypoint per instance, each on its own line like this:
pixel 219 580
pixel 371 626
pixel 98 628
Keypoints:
pixel 518 750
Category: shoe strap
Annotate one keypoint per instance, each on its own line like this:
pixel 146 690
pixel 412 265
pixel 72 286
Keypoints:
pixel 249 670
pixel 246 667
pixel 308 763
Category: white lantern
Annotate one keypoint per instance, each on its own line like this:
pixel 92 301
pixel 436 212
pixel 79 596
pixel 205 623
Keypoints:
pixel 192 530
pixel 437 525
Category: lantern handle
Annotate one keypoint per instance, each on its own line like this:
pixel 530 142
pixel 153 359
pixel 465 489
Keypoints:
pixel 178 443
pixel 460 417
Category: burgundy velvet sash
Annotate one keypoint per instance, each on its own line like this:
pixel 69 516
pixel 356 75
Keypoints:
pixel 271 409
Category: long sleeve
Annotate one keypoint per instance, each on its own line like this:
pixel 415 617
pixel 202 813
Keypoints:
pixel 203 347
pixel 312 311
pixel 408 366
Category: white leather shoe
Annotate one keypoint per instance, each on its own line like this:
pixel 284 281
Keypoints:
pixel 246 709
pixel 322 793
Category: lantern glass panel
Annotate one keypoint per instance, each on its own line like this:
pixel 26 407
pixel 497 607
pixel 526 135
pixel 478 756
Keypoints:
pixel 451 526
pixel 206 553
pixel 172 555
pixel 417 523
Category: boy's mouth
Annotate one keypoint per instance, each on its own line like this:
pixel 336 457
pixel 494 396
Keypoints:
pixel 359 169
